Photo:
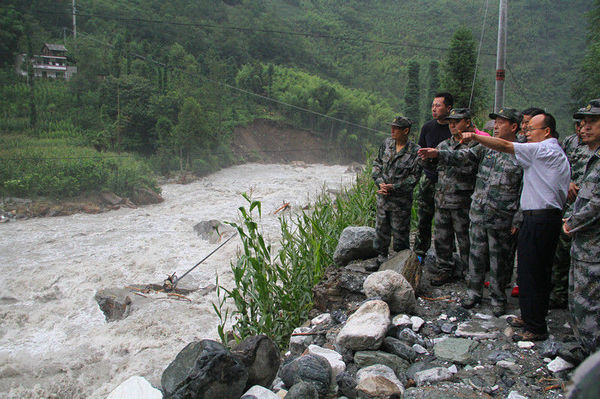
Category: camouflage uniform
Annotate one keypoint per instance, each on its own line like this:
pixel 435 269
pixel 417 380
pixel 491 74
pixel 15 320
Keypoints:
pixel 494 211
pixel 578 155
pixel 584 275
pixel 403 170
pixel 452 201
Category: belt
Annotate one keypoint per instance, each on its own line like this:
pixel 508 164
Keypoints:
pixel 547 212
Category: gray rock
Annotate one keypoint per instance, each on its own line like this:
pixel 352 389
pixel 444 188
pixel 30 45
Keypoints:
pixel 399 348
pixel 311 369
pixel 393 288
pixel 432 375
pixel 352 280
pixel 455 350
pixel 550 348
pixel 203 370
pixel 584 381
pixel 410 337
pixel 416 367
pixel 261 357
pixel 477 329
pixel 144 196
pixel 333 358
pixel 370 358
pixel 259 392
pixel 496 356
pixel 366 328
pixel 515 395
pixel 448 327
pixel 302 390
pixel 378 381
pixel 212 230
pixel 559 364
pixel 346 384
pixel 405 263
pixel 355 243
pixel 115 303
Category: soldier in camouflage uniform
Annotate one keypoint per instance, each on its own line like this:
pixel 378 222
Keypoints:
pixel 396 171
pixel 494 212
pixel 578 155
pixel 584 227
pixel 452 201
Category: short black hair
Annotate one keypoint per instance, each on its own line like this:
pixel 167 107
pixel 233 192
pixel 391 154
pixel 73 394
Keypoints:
pixel 550 122
pixel 533 111
pixel 448 99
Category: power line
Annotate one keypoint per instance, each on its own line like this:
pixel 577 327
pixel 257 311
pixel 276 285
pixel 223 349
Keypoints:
pixel 316 35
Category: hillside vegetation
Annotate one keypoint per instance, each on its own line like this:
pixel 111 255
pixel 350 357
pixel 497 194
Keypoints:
pixel 169 81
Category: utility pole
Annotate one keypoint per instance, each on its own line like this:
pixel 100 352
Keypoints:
pixel 501 57
pixel 74 21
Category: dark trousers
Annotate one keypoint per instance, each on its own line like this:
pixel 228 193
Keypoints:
pixel 537 243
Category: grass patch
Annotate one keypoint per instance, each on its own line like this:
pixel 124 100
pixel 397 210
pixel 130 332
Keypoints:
pixel 53 167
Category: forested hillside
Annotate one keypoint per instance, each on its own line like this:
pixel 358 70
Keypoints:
pixel 170 80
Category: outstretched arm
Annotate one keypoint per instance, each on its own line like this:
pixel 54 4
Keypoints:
pixel 494 143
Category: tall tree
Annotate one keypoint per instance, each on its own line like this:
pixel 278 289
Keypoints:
pixel 459 70
pixel 412 96
pixel 434 87
pixel 587 86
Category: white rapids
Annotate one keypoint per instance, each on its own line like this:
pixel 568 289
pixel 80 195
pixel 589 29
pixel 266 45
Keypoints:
pixel 54 339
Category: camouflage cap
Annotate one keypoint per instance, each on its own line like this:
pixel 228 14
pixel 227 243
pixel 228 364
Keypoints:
pixel 593 108
pixel 510 114
pixel 459 113
pixel 402 122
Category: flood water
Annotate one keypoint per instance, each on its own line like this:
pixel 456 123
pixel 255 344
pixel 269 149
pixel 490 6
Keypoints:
pixel 54 339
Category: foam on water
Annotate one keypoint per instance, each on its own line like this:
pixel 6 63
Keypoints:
pixel 54 336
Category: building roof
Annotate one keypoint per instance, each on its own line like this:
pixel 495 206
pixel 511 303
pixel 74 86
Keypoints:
pixel 55 47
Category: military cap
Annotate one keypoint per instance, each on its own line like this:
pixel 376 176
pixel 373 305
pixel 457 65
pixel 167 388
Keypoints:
pixel 593 108
pixel 459 113
pixel 402 122
pixel 510 114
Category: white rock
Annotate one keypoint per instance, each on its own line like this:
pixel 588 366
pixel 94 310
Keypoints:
pixel 483 316
pixel 525 344
pixel 453 369
pixel 452 319
pixel 334 358
pixel 419 349
pixel 402 320
pixel 366 328
pixel 259 392
pixel 324 318
pixel 135 388
pixel 547 360
pixel 432 375
pixel 478 368
pixel 567 325
pixel 494 388
pixel 443 316
pixel 559 364
pixel 299 343
pixel 515 395
pixel 417 322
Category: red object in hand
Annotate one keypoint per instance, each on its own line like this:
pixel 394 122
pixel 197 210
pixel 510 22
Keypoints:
pixel 515 291
pixel 486 284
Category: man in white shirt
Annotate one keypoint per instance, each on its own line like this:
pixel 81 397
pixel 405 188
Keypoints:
pixel 545 184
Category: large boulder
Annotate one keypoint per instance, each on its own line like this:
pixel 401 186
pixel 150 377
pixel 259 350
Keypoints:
pixel 204 370
pixel 366 328
pixel 356 242
pixel 393 288
pixel 212 230
pixel 261 357
pixel 407 264
pixel 314 370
